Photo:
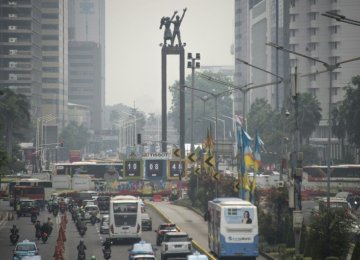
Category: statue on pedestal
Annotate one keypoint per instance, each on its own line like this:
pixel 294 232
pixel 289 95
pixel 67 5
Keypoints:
pixel 168 35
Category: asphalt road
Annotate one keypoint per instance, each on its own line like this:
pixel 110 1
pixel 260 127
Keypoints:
pixel 92 239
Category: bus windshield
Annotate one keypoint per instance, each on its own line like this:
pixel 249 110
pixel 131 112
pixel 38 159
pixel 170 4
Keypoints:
pixel 125 207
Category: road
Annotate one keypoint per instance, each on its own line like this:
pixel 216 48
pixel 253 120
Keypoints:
pixel 186 219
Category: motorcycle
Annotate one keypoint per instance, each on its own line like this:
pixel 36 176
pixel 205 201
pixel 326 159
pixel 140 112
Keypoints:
pixel 44 237
pixel 82 232
pixel 107 253
pixel 33 218
pixel 38 234
pixel 14 238
pixel 93 220
pixel 81 255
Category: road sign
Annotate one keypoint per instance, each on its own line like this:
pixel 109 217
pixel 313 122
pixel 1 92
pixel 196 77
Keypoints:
pixel 210 160
pixel 216 176
pixel 191 157
pixel 177 152
pixel 198 170
pixel 133 169
pixel 155 168
pixel 176 167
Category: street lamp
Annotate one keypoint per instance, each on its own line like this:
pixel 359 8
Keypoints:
pixel 223 122
pixel 133 116
pixel 216 96
pixel 192 64
pixel 328 68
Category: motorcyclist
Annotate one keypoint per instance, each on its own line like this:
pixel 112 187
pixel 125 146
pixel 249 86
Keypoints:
pixel 81 247
pixel 106 245
pixel 14 231
pixel 37 225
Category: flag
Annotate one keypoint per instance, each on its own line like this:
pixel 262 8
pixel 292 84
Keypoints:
pixel 257 158
pixel 247 153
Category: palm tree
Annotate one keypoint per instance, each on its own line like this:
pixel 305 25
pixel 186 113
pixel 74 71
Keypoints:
pixel 309 115
pixel 14 113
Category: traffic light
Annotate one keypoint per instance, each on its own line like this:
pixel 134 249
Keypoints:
pixel 138 138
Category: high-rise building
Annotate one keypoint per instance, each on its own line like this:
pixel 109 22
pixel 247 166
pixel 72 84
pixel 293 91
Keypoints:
pixel 55 59
pixel 20 49
pixel 256 23
pixel 328 40
pixel 85 79
pixel 87 24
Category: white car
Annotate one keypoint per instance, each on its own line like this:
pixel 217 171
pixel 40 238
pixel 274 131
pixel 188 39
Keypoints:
pixel 91 210
pixel 176 244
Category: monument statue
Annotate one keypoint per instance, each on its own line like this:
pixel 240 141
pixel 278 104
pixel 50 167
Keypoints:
pixel 176 31
pixel 166 21
pixel 168 35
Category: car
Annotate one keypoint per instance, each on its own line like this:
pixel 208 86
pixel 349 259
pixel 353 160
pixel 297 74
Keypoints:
pixel 27 207
pixel 162 230
pixel 197 256
pixel 144 257
pixel 176 244
pixel 141 248
pixel 104 224
pixel 91 210
pixel 146 222
pixel 25 248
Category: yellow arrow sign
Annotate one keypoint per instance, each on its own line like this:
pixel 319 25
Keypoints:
pixel 216 176
pixel 198 170
pixel 191 157
pixel 210 160
pixel 177 153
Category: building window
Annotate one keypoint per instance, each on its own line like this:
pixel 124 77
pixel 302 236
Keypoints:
pixel 293 32
pixel 293 47
pixel 334 91
pixel 293 63
pixel 335 75
pixel 312 46
pixel 334 59
pixel 50 16
pixel 50 37
pixel 312 31
pixel 312 2
pixel 334 45
pixel 313 16
pixel 293 17
pixel 313 77
pixel 334 29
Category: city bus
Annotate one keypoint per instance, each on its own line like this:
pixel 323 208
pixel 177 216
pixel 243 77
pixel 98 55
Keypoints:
pixel 125 218
pixel 233 228
pixel 45 184
pixel 343 177
pixel 36 193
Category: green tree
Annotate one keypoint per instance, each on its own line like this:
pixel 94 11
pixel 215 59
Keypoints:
pixel 329 233
pixel 351 111
pixel 15 117
pixel 309 115
pixel 75 136
pixel 204 106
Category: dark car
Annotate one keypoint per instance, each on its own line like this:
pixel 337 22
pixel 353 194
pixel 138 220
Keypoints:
pixel 146 222
pixel 103 203
pixel 28 207
pixel 162 230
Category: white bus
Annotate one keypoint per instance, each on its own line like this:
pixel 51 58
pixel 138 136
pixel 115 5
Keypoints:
pixel 233 228
pixel 125 218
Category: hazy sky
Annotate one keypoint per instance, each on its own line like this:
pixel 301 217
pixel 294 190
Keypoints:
pixel 133 54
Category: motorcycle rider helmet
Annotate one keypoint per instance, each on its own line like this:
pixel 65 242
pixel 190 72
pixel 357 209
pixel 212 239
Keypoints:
pixel 93 258
pixel 81 241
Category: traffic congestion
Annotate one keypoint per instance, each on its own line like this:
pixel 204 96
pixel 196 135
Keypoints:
pixel 34 235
